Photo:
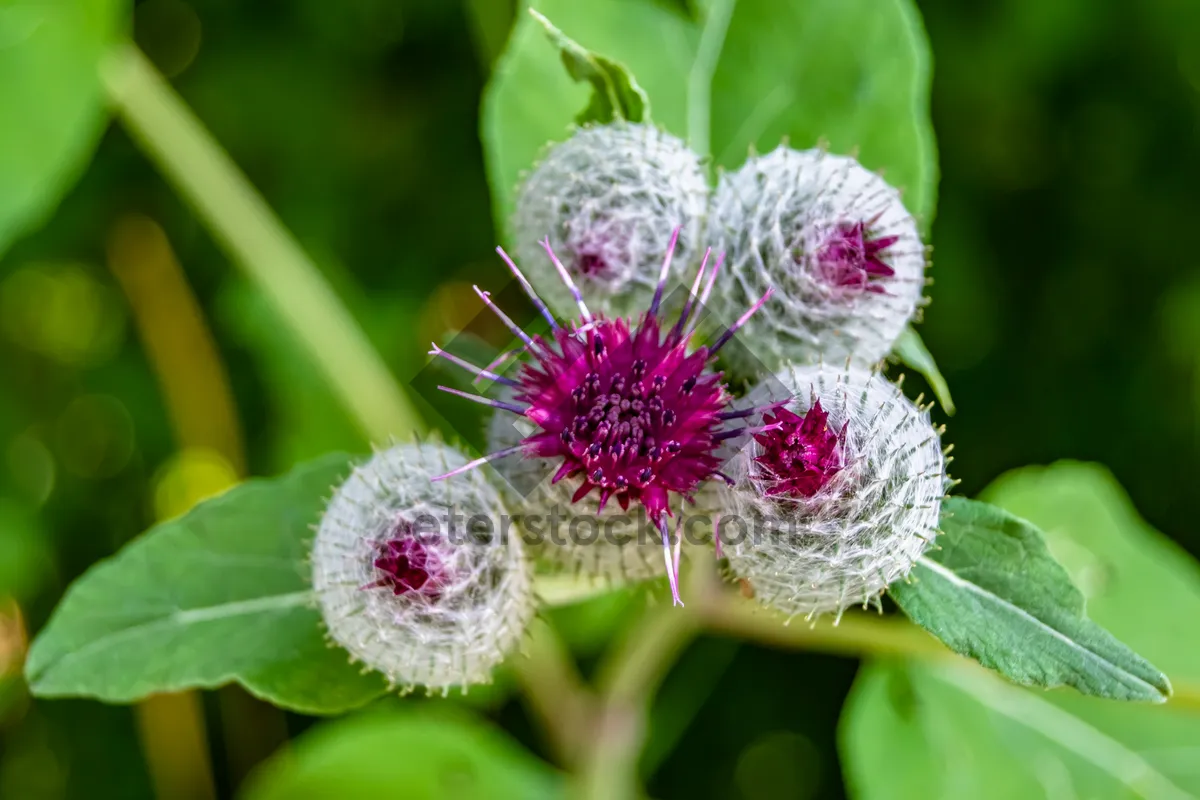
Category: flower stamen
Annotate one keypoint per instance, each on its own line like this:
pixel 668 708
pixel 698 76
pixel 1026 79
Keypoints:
pixel 479 372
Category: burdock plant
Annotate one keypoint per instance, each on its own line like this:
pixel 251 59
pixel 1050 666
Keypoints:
pixel 818 485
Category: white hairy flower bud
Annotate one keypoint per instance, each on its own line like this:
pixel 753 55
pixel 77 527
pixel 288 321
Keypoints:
pixel 838 497
pixel 608 198
pixel 421 580
pixel 836 243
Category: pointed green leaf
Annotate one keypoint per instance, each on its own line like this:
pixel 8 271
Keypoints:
pixel 615 93
pixel 218 595
pixel 993 592
pixel 51 101
pixel 412 751
pixel 1138 583
pixel 910 350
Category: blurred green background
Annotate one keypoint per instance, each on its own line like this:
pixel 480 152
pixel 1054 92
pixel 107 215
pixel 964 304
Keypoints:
pixel 1065 316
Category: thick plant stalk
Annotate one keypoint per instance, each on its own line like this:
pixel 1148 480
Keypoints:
pixel 253 236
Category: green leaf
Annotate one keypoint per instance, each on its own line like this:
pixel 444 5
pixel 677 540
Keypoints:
pixel 911 351
pixel 740 75
pixel 218 595
pixel 51 102
pixel 406 751
pixel 615 94
pixel 923 730
pixel 916 731
pixel 993 592
pixel 1138 583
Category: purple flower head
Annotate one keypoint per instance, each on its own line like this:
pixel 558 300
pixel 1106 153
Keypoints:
pixel 405 565
pixel 628 408
pixel 630 412
pixel 850 259
pixel 801 455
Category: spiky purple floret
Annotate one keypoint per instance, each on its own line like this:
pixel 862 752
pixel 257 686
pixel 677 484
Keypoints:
pixel 850 258
pixel 801 455
pixel 406 566
pixel 632 410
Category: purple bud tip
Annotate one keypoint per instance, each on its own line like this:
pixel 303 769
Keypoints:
pixel 405 565
pixel 852 260
pixel 800 454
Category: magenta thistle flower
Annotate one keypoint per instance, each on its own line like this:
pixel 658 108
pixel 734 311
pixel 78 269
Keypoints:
pixel 406 566
pixel 851 259
pixel 801 455
pixel 631 410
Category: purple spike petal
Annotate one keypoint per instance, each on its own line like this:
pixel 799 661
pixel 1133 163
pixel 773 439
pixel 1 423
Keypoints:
pixel 487 401
pixel 467 365
pixel 728 334
pixel 479 462
pixel 500 359
pixel 712 279
pixel 566 277
pixel 508 323
pixel 528 287
pixel 691 298
pixel 678 541
pixel 662 275
pixel 563 471
pixel 672 575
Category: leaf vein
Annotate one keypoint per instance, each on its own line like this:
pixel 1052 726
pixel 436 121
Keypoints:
pixel 948 575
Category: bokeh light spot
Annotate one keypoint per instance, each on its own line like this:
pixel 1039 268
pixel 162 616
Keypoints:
pixel 190 476
pixel 32 467
pixel 449 310
pixel 62 311
pixel 94 436
pixel 26 558
pixel 13 639
pixel 778 764
pixel 169 32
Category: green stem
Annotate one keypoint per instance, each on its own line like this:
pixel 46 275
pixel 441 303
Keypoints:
pixel 628 678
pixel 856 634
pixel 554 690
pixel 253 236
